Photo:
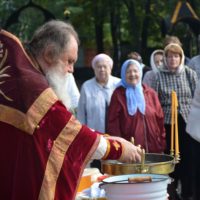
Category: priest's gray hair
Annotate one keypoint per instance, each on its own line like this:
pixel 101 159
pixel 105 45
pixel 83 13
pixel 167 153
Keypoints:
pixel 55 34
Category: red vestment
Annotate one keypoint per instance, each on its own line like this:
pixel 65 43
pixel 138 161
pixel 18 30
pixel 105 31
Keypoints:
pixel 43 148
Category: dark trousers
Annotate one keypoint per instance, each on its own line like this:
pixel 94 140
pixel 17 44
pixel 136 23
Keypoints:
pixel 196 164
pixel 184 170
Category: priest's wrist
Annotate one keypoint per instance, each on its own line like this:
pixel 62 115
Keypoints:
pixel 114 150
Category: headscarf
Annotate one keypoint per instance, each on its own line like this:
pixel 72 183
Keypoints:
pixel 101 57
pixel 152 62
pixel 134 94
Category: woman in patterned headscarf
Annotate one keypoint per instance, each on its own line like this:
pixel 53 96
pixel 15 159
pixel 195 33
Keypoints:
pixel 135 111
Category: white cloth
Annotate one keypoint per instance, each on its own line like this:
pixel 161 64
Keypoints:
pixel 193 124
pixel 101 149
pixel 94 101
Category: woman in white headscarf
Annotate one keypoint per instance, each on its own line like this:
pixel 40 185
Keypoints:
pixel 156 61
pixel 135 111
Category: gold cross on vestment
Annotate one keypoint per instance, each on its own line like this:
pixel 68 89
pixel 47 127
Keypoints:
pixel 116 145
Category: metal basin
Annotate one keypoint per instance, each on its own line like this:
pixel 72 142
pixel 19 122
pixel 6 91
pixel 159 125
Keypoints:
pixel 154 164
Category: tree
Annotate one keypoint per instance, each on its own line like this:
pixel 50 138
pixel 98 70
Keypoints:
pixel 116 27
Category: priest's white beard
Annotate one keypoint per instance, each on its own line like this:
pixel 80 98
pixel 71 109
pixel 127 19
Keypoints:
pixel 57 80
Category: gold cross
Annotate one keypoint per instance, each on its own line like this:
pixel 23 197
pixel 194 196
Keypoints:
pixel 116 145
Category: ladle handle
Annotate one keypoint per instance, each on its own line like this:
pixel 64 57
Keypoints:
pixel 142 179
pixel 143 161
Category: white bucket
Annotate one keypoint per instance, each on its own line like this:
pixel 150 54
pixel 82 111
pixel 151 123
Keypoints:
pixel 155 190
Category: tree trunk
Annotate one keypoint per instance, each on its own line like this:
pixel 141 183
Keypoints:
pixel 145 27
pixel 98 22
pixel 134 25
pixel 115 32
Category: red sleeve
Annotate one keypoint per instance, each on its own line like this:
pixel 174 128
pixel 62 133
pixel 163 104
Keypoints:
pixel 114 150
pixel 113 123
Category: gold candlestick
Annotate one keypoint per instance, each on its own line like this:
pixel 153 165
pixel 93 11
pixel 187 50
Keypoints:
pixel 176 130
pixel 174 151
pixel 172 124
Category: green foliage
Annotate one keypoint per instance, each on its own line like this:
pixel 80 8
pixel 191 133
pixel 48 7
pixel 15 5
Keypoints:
pixel 83 14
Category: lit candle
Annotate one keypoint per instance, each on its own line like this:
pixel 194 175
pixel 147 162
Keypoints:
pixel 172 123
pixel 176 128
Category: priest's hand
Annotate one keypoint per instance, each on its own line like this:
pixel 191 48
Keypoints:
pixel 130 152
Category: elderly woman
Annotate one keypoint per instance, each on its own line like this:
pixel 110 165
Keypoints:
pixel 135 111
pixel 96 93
pixel 178 77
